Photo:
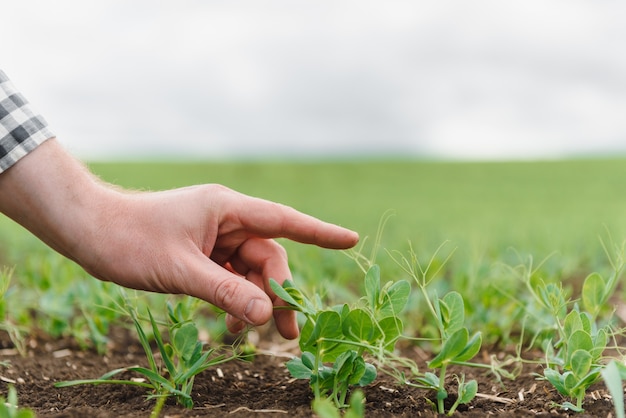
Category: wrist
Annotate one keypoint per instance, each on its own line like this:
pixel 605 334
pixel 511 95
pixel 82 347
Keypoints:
pixel 54 196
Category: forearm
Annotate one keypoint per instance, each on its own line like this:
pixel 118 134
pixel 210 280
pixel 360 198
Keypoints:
pixel 53 195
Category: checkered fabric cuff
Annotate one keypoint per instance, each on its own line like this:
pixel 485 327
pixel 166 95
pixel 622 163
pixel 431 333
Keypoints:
pixel 21 130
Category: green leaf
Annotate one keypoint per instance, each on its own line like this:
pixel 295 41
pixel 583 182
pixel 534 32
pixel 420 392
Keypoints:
pixel 471 349
pixel 282 293
pixel 429 380
pixel 327 327
pixel 613 381
pixel 593 293
pixel 369 376
pixel 579 340
pixel 394 299
pixel 306 340
pixel 572 323
pixel 200 365
pixel 586 320
pixel 343 364
pixel 171 368
pixel 325 378
pixel 454 316
pixel 391 328
pixel 551 295
pixel 581 363
pixel 143 339
pixel 159 381
pixel 571 407
pixel 452 347
pixel 358 370
pixel 358 326
pixel 467 391
pixel 600 341
pixel 556 379
pixel 308 359
pixel 298 369
pixel 372 286
pixel 184 339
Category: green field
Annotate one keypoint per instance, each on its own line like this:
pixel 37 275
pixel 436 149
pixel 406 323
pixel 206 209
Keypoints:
pixel 520 239
pixel 489 214
pixel 483 209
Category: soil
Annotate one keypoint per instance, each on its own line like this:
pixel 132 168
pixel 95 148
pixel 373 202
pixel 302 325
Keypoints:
pixel 260 388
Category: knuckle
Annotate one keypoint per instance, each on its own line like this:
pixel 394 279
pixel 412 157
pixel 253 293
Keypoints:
pixel 226 293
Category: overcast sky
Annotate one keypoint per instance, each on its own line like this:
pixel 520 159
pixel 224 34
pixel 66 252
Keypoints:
pixel 209 79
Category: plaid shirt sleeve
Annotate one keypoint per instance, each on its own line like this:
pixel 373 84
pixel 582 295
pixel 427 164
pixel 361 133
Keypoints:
pixel 21 130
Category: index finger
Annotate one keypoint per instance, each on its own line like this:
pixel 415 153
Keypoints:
pixel 274 220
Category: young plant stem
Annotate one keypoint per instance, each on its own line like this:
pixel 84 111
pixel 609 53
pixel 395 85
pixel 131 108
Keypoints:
pixel 441 391
pixel 158 406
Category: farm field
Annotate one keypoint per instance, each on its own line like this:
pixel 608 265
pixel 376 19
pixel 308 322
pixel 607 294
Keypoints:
pixel 500 249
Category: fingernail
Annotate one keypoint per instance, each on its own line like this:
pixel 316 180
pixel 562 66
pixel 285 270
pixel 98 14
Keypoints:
pixel 253 312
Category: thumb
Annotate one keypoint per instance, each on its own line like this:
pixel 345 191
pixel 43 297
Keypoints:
pixel 234 294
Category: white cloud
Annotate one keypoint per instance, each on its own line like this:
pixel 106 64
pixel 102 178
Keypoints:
pixel 482 79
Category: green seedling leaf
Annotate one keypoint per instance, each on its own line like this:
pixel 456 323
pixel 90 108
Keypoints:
pixel 298 369
pixel 579 340
pixel 453 316
pixel 325 378
pixel 600 341
pixel 569 381
pixel 372 286
pixel 572 323
pixel 343 310
pixel 581 363
pixel 323 336
pixel 430 380
pixel 159 381
pixel 343 365
pixel 394 298
pixel 358 370
pixel 306 335
pixel 556 379
pixel 391 328
pixel 281 292
pixel 587 322
pixel 369 376
pixel 613 381
pixel 451 349
pixel 200 365
pixel 358 326
pixel 471 349
pixel 166 357
pixel 467 391
pixel 143 339
pixel 571 407
pixel 592 377
pixel 593 293
pixel 551 296
pixel 308 359
pixel 185 340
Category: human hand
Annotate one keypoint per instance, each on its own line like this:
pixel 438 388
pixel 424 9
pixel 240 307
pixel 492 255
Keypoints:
pixel 209 242
pixel 205 241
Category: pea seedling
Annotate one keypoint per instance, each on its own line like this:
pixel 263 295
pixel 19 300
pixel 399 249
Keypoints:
pixel 334 341
pixel 183 357
pixel 574 342
pixel 457 346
